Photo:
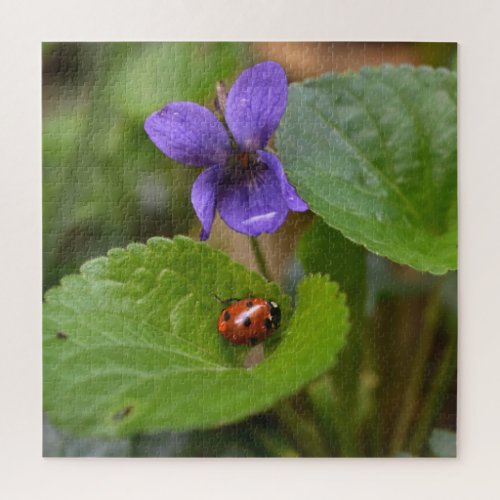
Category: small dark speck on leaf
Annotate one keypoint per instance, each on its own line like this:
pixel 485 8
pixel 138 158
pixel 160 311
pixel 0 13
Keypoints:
pixel 62 335
pixel 125 412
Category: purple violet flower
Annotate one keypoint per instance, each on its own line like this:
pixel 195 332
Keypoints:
pixel 243 181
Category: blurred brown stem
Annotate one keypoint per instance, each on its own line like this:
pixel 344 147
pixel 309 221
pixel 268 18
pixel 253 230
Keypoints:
pixel 416 381
pixel 435 398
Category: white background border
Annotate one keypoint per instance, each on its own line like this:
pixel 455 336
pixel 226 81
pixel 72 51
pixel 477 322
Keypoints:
pixel 23 25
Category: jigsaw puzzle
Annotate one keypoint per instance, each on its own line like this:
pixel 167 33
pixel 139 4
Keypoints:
pixel 249 249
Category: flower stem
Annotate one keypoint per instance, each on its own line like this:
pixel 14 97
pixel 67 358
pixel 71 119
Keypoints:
pixel 259 257
pixel 220 100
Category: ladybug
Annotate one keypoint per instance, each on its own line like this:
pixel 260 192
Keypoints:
pixel 249 321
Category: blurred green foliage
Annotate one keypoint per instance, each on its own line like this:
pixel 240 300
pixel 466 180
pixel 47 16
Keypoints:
pixel 104 182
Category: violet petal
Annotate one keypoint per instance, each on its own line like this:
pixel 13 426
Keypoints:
pixel 189 133
pixel 293 200
pixel 203 198
pixel 250 201
pixel 255 104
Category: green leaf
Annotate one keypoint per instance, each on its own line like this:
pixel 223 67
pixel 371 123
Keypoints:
pixel 324 250
pixel 375 155
pixel 131 346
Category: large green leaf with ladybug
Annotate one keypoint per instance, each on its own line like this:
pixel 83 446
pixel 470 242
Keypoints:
pixel 131 343
pixel 374 154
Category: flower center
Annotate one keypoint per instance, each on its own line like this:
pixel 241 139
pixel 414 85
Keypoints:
pixel 244 159
pixel 243 168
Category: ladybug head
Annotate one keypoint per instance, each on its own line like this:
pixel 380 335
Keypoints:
pixel 275 312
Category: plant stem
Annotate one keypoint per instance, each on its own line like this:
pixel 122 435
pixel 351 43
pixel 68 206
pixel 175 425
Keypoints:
pixel 275 445
pixel 434 400
pixel 347 416
pixel 416 381
pixel 259 257
pixel 303 431
pixel 325 409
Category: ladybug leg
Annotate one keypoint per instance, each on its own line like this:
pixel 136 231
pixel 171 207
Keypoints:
pixel 224 301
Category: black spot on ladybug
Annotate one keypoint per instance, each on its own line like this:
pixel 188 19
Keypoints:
pixel 247 321
pixel 62 335
pixel 249 304
pixel 227 316
pixel 268 323
pixel 125 412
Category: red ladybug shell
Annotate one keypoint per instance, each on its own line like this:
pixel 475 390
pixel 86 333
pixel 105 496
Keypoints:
pixel 249 321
